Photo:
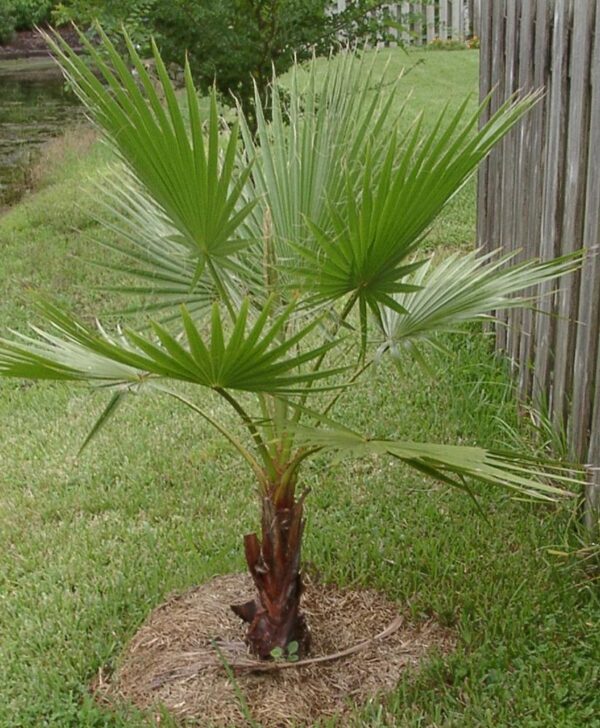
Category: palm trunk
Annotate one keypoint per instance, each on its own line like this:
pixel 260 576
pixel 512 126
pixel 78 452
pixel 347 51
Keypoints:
pixel 274 617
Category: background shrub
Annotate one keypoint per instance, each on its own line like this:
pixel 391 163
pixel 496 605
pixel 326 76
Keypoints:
pixel 22 15
pixel 231 42
pixel 29 13
pixel 7 23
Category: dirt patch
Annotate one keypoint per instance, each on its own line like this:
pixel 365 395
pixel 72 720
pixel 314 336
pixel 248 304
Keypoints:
pixel 173 660
pixel 31 44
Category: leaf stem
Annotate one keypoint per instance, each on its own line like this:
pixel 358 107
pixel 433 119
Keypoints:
pixel 221 288
pixel 248 457
pixel 317 365
pixel 352 379
pixel 252 429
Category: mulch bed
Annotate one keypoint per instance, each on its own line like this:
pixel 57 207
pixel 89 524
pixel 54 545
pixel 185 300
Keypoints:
pixel 177 658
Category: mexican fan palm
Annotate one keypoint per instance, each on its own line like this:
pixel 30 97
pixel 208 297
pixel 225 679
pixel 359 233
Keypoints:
pixel 273 267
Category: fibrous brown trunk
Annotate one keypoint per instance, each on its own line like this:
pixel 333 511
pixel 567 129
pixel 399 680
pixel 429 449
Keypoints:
pixel 274 617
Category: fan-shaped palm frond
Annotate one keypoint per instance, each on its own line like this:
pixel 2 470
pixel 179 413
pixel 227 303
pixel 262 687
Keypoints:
pixel 319 128
pixel 251 358
pixel 195 186
pixel 163 270
pixel 462 287
pixel 451 463
pixel 374 230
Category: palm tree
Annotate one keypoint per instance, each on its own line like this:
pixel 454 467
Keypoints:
pixel 274 269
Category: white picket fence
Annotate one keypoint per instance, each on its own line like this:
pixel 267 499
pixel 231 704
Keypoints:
pixel 424 22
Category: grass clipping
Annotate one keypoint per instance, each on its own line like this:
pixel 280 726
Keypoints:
pixel 189 657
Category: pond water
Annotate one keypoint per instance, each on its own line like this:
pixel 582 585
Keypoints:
pixel 34 106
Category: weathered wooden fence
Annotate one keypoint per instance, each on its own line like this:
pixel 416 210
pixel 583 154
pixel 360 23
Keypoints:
pixel 540 193
pixel 423 22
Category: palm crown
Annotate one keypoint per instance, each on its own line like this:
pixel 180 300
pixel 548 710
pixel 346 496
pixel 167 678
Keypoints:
pixel 281 263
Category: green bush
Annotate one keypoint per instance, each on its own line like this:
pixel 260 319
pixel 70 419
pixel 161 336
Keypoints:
pixel 7 23
pixel 28 13
pixel 135 15
pixel 22 15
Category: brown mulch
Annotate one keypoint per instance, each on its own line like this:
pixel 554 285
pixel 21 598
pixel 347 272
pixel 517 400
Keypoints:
pixel 176 658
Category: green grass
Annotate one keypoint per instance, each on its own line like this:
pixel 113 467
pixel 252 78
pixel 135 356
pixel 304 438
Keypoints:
pixel 91 544
pixel 27 66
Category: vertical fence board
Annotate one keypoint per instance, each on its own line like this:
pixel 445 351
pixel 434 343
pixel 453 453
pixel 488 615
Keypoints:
pixel 496 161
pixel 393 11
pixel 430 22
pixel 532 202
pixel 576 158
pixel 404 17
pixel 485 84
pixel 592 513
pixel 443 19
pixel 551 229
pixel 497 94
pixel 476 16
pixel 521 320
pixel 457 20
pixel 588 326
pixel 419 15
pixel 509 156
pixel 593 490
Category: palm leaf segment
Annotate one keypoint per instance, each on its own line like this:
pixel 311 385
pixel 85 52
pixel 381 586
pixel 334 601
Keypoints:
pixel 164 271
pixel 251 360
pixel 380 220
pixel 461 288
pixel 451 463
pixel 194 185
pixel 318 129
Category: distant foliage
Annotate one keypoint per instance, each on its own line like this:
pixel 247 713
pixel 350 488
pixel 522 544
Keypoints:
pixel 22 15
pixel 29 13
pixel 231 42
pixel 7 23
pixel 135 15
pixel 440 44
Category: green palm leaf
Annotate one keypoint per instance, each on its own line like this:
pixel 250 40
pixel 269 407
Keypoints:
pixel 376 229
pixel 319 128
pixel 163 270
pixel 463 287
pixel 451 463
pixel 195 186
pixel 250 358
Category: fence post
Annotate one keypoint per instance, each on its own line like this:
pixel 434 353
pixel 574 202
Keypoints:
pixel 475 18
pixel 588 317
pixel 430 20
pixel 443 20
pixel 458 17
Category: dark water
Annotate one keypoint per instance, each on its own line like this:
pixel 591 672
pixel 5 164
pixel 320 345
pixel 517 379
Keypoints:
pixel 34 106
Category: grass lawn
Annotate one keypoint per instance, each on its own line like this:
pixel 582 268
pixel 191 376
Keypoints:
pixel 91 544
